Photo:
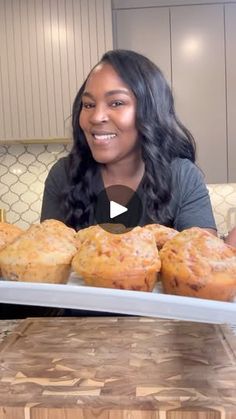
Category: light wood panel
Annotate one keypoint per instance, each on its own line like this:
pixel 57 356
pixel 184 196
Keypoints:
pixel 198 63
pixel 47 48
pixel 146 31
pixel 230 24
pixel 13 413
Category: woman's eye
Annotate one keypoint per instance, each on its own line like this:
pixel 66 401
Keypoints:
pixel 87 105
pixel 116 103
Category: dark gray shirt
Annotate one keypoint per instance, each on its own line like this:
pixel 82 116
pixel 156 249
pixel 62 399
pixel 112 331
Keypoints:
pixel 189 205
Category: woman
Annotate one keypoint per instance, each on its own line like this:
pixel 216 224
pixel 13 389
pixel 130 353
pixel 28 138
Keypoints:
pixel 126 132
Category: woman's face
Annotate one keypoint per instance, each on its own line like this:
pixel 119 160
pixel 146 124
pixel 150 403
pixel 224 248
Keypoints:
pixel 108 116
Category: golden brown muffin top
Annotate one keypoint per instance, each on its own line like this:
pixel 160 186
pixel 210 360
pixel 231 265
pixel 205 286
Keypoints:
pixel 201 251
pixel 135 249
pixel 162 233
pixel 49 242
pixel 8 233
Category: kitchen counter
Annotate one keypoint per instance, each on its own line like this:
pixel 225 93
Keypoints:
pixel 116 368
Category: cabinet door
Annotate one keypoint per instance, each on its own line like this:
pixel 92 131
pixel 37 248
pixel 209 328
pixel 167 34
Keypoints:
pixel 146 31
pixel 230 24
pixel 198 65
pixel 47 47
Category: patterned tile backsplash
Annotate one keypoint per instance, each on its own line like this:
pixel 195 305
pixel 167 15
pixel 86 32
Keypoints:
pixel 23 169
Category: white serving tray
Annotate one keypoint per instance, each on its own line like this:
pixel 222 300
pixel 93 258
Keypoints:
pixel 76 295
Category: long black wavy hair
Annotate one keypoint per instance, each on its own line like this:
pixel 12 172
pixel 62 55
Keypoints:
pixel 163 138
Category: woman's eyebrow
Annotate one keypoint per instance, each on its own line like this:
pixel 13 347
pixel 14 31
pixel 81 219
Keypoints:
pixel 87 94
pixel 109 93
pixel 117 91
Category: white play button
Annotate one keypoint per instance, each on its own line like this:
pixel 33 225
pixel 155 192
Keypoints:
pixel 118 206
pixel 116 209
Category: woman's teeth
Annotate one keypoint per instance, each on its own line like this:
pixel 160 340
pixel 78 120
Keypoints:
pixel 104 136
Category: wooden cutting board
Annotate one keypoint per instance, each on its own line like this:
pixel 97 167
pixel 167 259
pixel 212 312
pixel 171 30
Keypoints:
pixel 117 368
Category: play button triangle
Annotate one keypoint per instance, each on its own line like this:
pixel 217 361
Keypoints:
pixel 118 205
pixel 116 209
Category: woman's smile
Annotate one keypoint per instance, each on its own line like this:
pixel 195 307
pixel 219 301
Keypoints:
pixel 103 138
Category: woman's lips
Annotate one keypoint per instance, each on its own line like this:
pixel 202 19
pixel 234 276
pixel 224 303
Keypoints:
pixel 103 139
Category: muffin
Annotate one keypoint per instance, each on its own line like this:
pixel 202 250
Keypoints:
pixel 162 233
pixel 86 233
pixel 195 263
pixel 8 233
pixel 127 261
pixel 41 254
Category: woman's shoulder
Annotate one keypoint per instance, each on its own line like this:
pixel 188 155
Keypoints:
pixel 185 167
pixel 59 172
pixel 61 166
pixel 186 176
pixel 179 163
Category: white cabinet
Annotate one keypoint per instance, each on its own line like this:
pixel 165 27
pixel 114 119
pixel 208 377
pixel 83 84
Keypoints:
pixel 47 48
pixel 230 20
pixel 198 71
pixel 194 45
pixel 147 32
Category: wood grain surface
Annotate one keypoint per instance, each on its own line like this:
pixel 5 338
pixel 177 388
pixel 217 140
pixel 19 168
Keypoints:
pixel 117 368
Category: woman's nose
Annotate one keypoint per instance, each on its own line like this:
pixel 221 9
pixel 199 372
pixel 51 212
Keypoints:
pixel 99 114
